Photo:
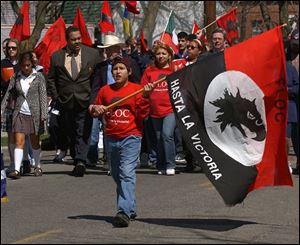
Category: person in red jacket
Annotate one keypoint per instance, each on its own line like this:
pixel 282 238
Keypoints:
pixel 123 129
pixel 161 111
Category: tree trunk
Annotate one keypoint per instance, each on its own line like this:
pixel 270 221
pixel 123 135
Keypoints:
pixel 265 14
pixel 41 12
pixel 210 16
pixel 149 19
pixel 243 23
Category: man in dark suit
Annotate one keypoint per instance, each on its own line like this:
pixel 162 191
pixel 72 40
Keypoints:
pixel 69 84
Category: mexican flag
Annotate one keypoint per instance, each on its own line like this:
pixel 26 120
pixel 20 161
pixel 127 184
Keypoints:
pixel 169 36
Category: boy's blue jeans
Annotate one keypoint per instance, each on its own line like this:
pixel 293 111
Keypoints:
pixel 122 155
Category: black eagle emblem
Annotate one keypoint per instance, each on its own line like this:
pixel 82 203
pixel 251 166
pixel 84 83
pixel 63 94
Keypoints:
pixel 236 111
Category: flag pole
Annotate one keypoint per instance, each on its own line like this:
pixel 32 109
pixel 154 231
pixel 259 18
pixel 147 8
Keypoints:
pixel 166 24
pixel 133 94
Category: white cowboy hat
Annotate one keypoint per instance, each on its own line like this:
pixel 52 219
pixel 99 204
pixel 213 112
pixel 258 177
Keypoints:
pixel 111 40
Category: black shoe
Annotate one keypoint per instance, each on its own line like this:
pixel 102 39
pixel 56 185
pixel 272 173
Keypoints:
pixel 79 170
pixel 59 158
pixel 91 164
pixel 25 167
pixel 190 168
pixel 14 175
pixel 121 220
pixel 132 217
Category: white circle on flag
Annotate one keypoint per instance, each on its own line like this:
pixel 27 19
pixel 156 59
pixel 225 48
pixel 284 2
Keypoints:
pixel 234 116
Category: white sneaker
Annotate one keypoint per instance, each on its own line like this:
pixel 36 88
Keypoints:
pixel 290 168
pixel 170 171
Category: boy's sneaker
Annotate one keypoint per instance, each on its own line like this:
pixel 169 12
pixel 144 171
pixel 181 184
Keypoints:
pixel 161 172
pixel 180 158
pixel 170 171
pixel 121 220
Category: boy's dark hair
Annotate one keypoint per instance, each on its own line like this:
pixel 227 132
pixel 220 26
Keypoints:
pixel 182 35
pixel 71 29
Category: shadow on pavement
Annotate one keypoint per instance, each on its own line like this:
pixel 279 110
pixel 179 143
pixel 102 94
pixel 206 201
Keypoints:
pixel 204 224
pixel 108 219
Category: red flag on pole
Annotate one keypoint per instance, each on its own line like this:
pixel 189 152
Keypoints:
pixel 106 22
pixel 201 33
pixel 131 6
pixel 144 46
pixel 229 23
pixel 21 28
pixel 195 28
pixel 54 39
pixel 80 23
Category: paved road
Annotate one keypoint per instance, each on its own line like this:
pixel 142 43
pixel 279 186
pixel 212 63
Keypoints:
pixel 58 208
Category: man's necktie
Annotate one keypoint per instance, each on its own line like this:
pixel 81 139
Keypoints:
pixel 74 68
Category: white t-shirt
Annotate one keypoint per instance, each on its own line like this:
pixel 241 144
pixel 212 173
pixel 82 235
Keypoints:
pixel 25 84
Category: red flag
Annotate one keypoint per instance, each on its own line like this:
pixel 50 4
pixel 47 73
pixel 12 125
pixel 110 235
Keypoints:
pixel 21 28
pixel 80 23
pixel 169 36
pixel 144 46
pixel 106 22
pixel 231 109
pixel 131 6
pixel 54 39
pixel 270 76
pixel 229 23
pixel 201 34
pixel 195 28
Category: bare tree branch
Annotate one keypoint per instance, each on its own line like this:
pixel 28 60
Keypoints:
pixel 15 6
pixel 265 14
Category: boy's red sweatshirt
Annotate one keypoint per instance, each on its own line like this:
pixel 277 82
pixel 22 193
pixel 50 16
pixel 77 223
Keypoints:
pixel 126 118
pixel 160 105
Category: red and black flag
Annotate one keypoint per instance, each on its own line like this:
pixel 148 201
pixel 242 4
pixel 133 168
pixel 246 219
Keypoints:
pixel 106 22
pixel 231 108
pixel 131 6
pixel 80 23
pixel 229 23
pixel 21 28
pixel 53 40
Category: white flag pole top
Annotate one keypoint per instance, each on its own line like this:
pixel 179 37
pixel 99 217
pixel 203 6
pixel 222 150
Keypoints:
pixel 166 24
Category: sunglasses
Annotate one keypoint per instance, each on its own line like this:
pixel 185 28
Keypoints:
pixel 191 47
pixel 13 48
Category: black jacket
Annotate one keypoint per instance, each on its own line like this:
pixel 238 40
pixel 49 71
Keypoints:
pixel 63 88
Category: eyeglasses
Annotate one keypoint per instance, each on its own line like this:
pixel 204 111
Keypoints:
pixel 191 47
pixel 13 48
